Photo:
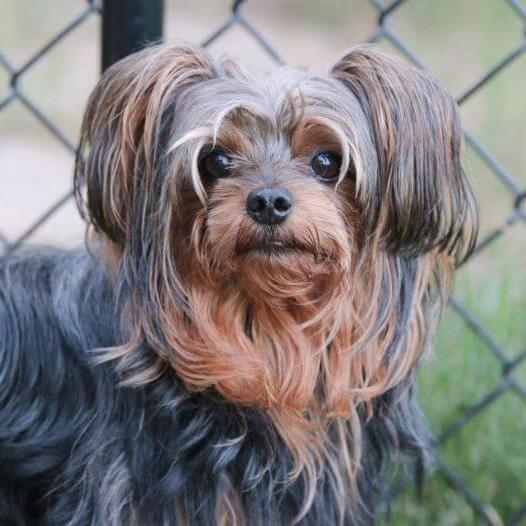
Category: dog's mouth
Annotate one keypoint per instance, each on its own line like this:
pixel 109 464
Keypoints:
pixel 273 249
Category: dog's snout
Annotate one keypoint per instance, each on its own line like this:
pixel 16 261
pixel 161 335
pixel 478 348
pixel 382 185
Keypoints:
pixel 269 206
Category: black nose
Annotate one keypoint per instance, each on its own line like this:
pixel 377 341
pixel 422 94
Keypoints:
pixel 269 206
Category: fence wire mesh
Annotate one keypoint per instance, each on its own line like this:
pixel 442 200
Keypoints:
pixel 16 93
pixel 507 360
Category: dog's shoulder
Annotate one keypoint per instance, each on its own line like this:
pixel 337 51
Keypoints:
pixel 32 269
pixel 42 289
pixel 55 308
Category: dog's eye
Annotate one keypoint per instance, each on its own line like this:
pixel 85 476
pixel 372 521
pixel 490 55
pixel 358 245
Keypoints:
pixel 215 164
pixel 326 165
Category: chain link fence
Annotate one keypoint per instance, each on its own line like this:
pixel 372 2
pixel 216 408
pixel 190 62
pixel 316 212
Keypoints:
pixel 506 360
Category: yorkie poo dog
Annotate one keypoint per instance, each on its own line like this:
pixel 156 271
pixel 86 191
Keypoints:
pixel 267 259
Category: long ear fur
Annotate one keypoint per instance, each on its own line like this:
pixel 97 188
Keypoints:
pixel 128 114
pixel 420 199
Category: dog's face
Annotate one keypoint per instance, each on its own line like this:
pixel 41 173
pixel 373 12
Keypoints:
pixel 283 239
pixel 271 183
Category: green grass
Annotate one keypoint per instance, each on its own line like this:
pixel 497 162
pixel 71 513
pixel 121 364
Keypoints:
pixel 489 452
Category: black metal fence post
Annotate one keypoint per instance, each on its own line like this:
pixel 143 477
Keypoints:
pixel 129 25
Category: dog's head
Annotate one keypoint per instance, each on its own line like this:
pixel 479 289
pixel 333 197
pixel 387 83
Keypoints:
pixel 282 237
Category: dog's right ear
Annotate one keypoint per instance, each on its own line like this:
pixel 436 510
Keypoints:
pixel 128 113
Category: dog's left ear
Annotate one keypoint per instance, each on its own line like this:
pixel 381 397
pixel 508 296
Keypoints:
pixel 420 198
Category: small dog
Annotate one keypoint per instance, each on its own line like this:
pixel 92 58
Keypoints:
pixel 267 260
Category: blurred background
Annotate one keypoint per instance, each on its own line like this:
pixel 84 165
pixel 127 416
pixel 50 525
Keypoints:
pixel 473 386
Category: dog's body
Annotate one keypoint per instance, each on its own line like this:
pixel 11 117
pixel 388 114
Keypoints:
pixel 78 449
pixel 241 347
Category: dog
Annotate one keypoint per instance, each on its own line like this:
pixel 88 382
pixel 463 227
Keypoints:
pixel 267 258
